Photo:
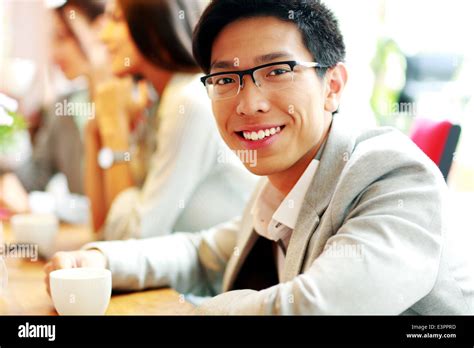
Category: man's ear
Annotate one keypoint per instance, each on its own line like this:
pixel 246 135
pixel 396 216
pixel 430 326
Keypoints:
pixel 336 79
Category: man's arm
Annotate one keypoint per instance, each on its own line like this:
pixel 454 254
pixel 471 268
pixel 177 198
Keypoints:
pixel 189 262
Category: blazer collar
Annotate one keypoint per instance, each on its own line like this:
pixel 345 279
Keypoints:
pixel 334 156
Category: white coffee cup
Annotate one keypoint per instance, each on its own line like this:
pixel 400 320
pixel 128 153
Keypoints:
pixel 37 229
pixel 81 291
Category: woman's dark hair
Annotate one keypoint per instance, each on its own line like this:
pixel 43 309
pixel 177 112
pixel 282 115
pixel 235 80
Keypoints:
pixel 316 22
pixel 162 30
pixel 89 8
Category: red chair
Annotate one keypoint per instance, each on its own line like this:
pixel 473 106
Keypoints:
pixel 438 140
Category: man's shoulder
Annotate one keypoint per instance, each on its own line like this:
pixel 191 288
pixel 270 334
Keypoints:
pixel 385 140
pixel 386 147
pixel 385 156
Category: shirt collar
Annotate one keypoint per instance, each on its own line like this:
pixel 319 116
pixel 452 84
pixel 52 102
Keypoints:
pixel 272 211
pixel 288 211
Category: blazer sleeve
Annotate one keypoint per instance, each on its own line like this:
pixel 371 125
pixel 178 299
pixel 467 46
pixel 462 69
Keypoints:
pixel 188 262
pixel 396 228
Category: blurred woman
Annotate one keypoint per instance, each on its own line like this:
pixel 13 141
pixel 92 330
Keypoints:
pixel 192 180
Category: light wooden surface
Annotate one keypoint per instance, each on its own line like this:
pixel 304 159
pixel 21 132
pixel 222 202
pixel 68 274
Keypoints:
pixel 26 292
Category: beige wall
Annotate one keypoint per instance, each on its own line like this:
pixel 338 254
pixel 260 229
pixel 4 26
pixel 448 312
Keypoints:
pixel 25 45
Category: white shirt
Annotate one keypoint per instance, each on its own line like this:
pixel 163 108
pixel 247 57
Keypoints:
pixel 275 216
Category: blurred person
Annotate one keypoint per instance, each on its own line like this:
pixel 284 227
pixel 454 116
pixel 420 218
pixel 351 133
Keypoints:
pixel 13 197
pixel 58 147
pixel 187 179
pixel 344 222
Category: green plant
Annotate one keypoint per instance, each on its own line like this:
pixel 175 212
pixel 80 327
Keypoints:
pixel 10 123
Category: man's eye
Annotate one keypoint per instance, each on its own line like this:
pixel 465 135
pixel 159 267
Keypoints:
pixel 277 72
pixel 224 81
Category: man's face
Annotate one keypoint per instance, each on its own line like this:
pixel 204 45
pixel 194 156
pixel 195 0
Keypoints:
pixel 300 111
pixel 66 52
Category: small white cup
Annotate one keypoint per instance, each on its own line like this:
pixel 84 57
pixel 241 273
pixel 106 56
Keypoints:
pixel 38 229
pixel 81 291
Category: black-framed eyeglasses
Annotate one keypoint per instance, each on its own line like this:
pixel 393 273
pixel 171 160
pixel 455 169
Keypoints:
pixel 267 77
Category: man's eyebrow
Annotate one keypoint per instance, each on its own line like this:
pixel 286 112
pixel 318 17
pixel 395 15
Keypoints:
pixel 222 64
pixel 266 58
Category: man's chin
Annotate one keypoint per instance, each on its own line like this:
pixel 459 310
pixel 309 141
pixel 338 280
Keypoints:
pixel 264 167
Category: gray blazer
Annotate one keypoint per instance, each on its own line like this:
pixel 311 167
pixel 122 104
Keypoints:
pixel 58 148
pixel 371 238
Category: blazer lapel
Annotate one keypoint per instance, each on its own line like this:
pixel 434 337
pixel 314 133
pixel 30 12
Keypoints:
pixel 245 242
pixel 334 156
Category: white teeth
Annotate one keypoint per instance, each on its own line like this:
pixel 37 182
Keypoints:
pixel 261 134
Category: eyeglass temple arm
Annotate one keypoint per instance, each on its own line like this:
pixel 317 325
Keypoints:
pixel 312 65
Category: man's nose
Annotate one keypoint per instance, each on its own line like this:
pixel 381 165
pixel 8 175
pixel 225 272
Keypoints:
pixel 252 100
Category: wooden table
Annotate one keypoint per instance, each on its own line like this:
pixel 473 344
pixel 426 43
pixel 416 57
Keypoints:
pixel 26 292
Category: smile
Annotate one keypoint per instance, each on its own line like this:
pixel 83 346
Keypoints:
pixel 261 134
pixel 257 138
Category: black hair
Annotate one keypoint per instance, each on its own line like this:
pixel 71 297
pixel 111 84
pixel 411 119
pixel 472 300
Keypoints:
pixel 317 24
pixel 91 9
pixel 163 29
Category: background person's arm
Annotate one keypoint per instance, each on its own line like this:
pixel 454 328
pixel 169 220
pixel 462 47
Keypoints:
pixel 111 100
pixel 12 194
pixel 102 186
pixel 94 185
pixel 109 129
pixel 188 144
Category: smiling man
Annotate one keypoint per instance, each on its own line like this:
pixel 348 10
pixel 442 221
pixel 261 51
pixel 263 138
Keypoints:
pixel 342 222
pixel 267 107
